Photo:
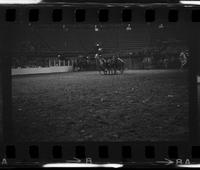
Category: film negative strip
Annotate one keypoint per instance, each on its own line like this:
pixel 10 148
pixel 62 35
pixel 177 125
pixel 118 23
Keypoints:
pixel 99 85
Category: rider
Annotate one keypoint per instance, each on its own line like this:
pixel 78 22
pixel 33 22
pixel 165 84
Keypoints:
pixel 114 63
pixel 183 59
pixel 109 64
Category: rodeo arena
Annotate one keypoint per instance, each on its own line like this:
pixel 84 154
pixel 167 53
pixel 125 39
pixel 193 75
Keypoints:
pixel 100 83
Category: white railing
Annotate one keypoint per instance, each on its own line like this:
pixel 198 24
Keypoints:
pixel 41 70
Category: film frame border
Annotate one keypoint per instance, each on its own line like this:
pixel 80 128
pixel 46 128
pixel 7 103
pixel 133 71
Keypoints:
pixel 158 150
pixel 141 153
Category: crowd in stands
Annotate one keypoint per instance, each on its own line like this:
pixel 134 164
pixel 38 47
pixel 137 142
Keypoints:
pixel 157 59
pixel 29 62
pixel 148 58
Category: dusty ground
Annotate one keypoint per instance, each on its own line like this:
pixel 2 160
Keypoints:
pixel 143 105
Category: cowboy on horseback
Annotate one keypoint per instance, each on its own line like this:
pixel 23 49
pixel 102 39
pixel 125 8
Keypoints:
pixel 101 63
pixel 114 64
pixel 183 59
pixel 109 65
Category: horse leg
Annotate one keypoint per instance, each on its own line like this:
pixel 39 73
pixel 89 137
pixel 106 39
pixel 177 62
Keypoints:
pixel 105 71
pixel 122 69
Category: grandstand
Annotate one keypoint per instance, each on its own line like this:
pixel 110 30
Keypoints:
pixel 41 45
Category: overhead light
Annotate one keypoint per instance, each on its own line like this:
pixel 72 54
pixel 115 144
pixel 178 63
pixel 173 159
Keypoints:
pixel 96 28
pixel 20 1
pixel 128 28
pixel 64 27
pixel 161 26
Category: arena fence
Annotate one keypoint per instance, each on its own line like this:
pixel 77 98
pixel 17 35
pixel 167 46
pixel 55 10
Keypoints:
pixel 198 79
pixel 41 70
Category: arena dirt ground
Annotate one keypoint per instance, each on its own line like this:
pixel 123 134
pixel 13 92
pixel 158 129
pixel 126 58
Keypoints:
pixel 140 105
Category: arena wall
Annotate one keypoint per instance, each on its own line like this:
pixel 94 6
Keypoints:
pixel 41 70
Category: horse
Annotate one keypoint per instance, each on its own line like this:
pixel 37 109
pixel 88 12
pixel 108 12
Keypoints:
pixel 117 64
pixel 183 59
pixel 120 65
pixel 101 64
pixel 80 64
pixel 76 66
pixel 110 65
pixel 147 61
